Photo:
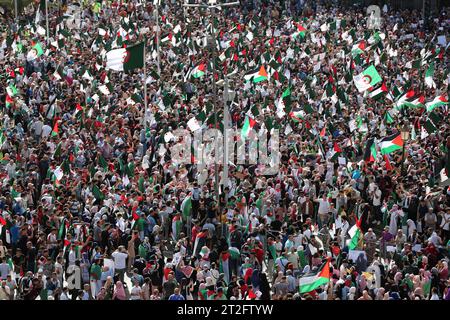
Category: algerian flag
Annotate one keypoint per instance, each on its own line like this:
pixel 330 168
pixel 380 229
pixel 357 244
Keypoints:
pixel 35 52
pixel 301 32
pixel 125 59
pixel 283 102
pixel 257 76
pixel 429 76
pixel 2 139
pixel 193 124
pixel 186 207
pixel 391 143
pixel 87 75
pixel 437 102
pixel 58 173
pixel 11 90
pixel 367 79
pixel 248 125
pixel 106 89
pixel 312 281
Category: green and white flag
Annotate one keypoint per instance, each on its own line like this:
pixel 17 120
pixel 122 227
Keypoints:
pixel 437 102
pixel 429 76
pixel 186 207
pixel 125 59
pixel 367 79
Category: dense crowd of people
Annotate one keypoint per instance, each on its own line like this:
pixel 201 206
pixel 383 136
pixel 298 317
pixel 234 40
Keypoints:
pixel 93 206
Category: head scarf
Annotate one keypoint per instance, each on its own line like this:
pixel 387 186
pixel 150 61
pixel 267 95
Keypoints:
pixel 411 226
pixel 119 291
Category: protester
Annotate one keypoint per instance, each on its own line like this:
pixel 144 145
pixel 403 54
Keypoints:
pixel 95 204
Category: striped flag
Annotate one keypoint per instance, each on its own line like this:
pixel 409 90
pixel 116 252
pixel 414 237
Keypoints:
pixel 257 75
pixel 312 281
pixel 391 143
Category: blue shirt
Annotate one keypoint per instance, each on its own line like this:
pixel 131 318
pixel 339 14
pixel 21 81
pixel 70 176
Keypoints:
pixel 176 297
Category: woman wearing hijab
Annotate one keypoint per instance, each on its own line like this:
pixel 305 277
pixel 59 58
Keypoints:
pixel 395 213
pixel 264 286
pixel 255 279
pixel 102 294
pixel 109 288
pixel 119 292
pixel 411 227
pixel 380 294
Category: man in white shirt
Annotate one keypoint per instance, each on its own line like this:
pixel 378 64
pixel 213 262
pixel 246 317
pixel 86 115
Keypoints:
pixel 120 258
pixel 324 209
pixel 376 201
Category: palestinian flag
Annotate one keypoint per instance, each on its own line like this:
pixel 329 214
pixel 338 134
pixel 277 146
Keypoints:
pixel 437 102
pixel 257 75
pixel 125 59
pixel 234 253
pixel 337 151
pixel 313 280
pixel 367 79
pixel 248 126
pixel 355 234
pixel 388 162
pixel 200 236
pixel 176 227
pixel 186 207
pixel 63 229
pixel 9 101
pixel 377 93
pixel 416 103
pixel 391 143
pixel 371 151
pixel 198 71
pixel 55 130
pixel 358 48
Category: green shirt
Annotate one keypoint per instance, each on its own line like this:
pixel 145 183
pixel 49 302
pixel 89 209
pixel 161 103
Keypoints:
pixel 96 271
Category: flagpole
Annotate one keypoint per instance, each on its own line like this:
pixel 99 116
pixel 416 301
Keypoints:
pixel 144 146
pixel 216 150
pixel 46 20
pixel 213 56
pixel 15 10
pixel 157 38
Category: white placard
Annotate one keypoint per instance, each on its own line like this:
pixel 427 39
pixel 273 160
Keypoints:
pixel 354 254
pixel 442 40
pixel 391 249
